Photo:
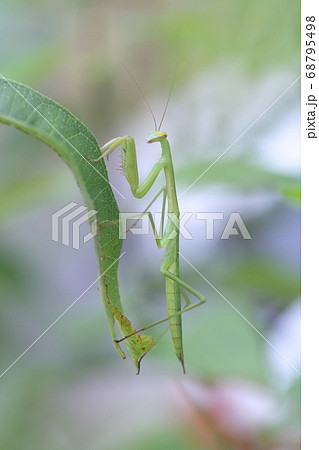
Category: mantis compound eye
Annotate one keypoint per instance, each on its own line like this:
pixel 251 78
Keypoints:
pixel 156 136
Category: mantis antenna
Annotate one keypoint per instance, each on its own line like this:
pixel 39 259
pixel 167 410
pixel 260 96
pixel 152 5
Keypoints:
pixel 141 91
pixel 168 98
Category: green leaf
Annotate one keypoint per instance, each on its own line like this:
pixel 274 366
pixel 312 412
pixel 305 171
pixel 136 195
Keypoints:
pixel 47 120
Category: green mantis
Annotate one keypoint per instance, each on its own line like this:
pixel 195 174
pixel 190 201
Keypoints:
pixel 168 237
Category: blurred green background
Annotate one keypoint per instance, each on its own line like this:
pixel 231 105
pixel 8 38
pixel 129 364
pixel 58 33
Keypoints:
pixel 71 390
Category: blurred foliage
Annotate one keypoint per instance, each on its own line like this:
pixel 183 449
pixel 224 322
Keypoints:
pixel 234 59
pixel 233 174
pixel 211 30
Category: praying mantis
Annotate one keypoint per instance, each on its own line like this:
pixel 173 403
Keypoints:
pixel 169 237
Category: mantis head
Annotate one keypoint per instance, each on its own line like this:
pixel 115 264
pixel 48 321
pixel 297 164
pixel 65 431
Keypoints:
pixel 156 136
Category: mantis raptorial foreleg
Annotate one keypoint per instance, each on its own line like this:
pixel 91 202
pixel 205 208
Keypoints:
pixel 109 147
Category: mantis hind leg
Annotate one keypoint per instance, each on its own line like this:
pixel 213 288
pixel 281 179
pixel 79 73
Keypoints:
pixel 186 299
pixel 182 283
pixel 188 307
